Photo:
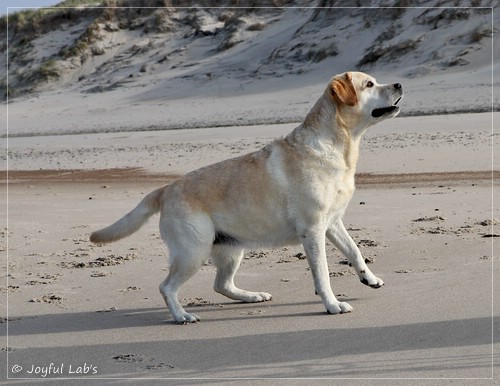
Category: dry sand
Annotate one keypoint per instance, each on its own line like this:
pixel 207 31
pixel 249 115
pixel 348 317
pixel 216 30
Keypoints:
pixel 422 213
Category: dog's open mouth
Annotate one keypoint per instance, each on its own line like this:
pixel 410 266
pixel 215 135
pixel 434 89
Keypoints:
pixel 377 113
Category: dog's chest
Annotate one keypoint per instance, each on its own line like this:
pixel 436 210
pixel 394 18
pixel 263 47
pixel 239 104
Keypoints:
pixel 328 194
pixel 339 192
pixel 313 183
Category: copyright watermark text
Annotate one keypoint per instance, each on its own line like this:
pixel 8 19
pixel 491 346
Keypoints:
pixel 54 370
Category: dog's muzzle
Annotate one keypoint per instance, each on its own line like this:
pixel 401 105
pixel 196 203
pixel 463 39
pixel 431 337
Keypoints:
pixel 390 110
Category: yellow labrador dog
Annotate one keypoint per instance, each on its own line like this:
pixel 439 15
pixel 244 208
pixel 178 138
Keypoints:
pixel 294 190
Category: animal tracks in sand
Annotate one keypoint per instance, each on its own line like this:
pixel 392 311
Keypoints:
pixel 106 261
pixel 437 227
pixel 49 298
pixel 477 228
pixel 148 362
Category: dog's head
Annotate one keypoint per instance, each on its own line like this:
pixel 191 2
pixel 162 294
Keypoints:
pixel 361 101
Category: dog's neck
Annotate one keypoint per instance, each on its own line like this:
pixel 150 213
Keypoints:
pixel 326 133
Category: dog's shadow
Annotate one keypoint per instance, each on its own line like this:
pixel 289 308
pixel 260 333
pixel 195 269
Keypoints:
pixel 147 317
pixel 274 341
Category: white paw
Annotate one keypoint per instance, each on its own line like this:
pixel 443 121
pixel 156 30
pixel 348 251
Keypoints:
pixel 339 308
pixel 186 318
pixel 372 281
pixel 257 297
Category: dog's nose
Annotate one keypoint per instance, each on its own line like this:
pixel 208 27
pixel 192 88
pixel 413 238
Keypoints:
pixel 398 86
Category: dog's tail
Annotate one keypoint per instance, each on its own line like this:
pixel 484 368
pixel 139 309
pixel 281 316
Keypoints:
pixel 132 221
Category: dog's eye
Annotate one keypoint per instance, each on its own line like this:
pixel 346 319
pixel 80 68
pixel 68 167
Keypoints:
pixel 369 84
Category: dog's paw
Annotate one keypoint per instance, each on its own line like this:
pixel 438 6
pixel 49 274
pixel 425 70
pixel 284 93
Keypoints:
pixel 373 281
pixel 339 308
pixel 186 318
pixel 257 297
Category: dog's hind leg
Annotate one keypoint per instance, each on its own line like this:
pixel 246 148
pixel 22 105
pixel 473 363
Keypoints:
pixel 189 241
pixel 338 235
pixel 180 271
pixel 227 259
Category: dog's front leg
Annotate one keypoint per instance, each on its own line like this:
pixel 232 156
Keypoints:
pixel 338 235
pixel 314 246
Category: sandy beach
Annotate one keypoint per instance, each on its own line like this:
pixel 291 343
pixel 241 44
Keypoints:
pixel 422 213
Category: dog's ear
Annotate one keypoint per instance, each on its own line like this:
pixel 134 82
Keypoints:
pixel 343 91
